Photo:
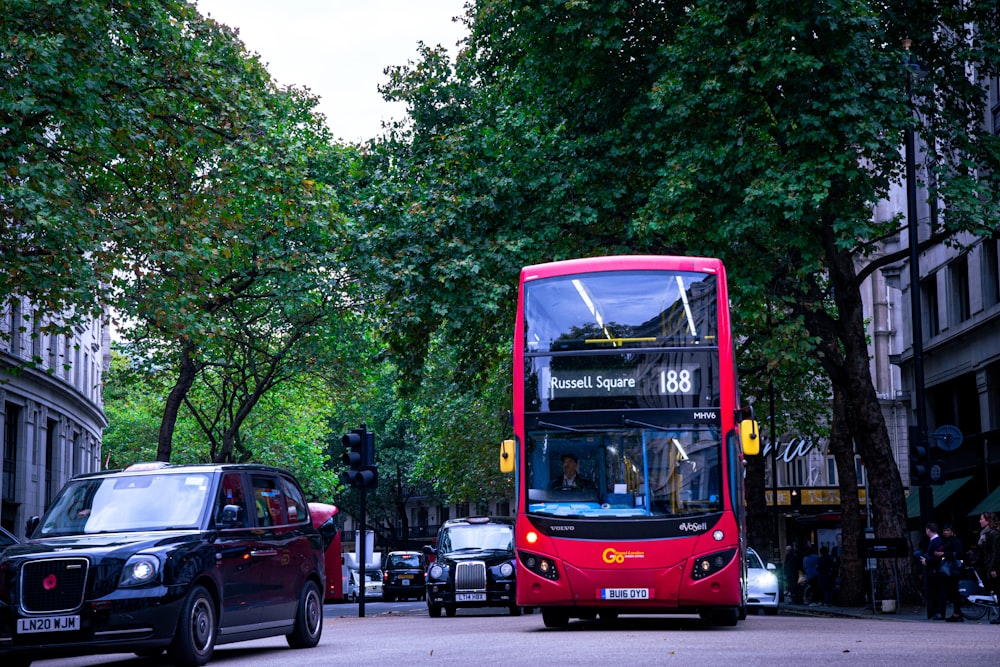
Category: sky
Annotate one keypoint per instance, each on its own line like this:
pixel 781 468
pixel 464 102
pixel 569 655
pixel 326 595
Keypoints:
pixel 339 49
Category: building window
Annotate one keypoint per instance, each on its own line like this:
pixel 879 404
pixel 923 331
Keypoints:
pixel 797 472
pixel 929 306
pixel 831 472
pixel 444 513
pixel 958 279
pixel 990 273
pixel 996 105
pixel 10 437
pixel 462 509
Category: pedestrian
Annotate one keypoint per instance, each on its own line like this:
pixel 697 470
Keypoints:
pixel 936 594
pixel 950 569
pixel 810 564
pixel 791 571
pixel 989 542
pixel 826 568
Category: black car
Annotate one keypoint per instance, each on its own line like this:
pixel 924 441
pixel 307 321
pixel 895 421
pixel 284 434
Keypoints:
pixel 6 539
pixel 160 557
pixel 403 575
pixel 473 566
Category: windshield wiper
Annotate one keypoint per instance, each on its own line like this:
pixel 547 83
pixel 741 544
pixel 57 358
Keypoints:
pixel 569 428
pixel 632 422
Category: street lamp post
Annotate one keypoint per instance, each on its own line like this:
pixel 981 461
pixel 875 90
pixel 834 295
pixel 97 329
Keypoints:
pixel 918 434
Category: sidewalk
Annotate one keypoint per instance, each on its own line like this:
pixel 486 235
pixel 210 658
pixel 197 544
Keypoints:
pixel 903 613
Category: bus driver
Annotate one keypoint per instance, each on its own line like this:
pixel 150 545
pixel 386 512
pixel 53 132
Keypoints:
pixel 569 479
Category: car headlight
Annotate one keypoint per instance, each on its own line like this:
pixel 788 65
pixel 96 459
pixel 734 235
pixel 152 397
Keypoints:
pixel 506 569
pixel 436 572
pixel 140 570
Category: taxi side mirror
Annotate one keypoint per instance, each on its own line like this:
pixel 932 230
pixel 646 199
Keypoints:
pixel 750 437
pixel 507 456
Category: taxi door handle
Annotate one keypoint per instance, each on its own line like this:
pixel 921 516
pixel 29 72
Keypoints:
pixel 264 552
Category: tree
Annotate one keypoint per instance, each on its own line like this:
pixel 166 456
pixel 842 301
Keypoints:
pixel 762 133
pixel 255 280
pixel 287 429
pixel 111 111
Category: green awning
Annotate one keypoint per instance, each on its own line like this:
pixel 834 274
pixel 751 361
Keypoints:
pixel 990 504
pixel 941 493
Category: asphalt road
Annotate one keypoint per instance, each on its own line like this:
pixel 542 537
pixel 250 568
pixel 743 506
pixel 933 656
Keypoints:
pixel 401 634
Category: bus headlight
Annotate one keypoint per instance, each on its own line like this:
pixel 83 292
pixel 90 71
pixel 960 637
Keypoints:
pixel 543 567
pixel 712 563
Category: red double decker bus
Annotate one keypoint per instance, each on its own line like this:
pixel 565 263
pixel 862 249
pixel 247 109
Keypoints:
pixel 629 441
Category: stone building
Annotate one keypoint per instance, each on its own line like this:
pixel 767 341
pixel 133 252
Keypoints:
pixel 51 416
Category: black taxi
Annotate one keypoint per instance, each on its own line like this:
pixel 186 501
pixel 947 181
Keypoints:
pixel 403 575
pixel 473 566
pixel 159 557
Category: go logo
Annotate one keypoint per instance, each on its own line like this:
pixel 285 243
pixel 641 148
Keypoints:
pixel 611 555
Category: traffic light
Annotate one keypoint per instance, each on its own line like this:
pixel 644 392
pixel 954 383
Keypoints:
pixel 360 459
pixel 920 459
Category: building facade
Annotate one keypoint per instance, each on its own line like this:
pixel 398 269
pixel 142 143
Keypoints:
pixel 51 409
pixel 959 296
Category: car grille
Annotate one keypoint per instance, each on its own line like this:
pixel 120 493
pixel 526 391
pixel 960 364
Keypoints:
pixel 470 576
pixel 53 584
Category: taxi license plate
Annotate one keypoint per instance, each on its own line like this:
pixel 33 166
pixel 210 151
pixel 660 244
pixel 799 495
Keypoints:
pixel 470 597
pixel 404 582
pixel 625 594
pixel 47 624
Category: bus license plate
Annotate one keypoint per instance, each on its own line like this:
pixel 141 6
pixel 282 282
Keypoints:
pixel 47 624
pixel 624 593
pixel 470 597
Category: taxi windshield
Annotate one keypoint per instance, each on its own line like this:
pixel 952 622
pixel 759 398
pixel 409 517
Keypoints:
pixel 125 503
pixel 494 536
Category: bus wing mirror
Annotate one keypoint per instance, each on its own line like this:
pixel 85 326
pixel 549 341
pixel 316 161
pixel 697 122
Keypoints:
pixel 750 437
pixel 507 456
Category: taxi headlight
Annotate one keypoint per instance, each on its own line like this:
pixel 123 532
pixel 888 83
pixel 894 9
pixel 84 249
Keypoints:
pixel 140 570
pixel 506 569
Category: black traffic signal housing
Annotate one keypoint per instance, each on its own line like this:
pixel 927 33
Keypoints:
pixel 920 459
pixel 360 459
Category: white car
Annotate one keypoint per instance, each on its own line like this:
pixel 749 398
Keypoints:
pixel 762 584
pixel 373 585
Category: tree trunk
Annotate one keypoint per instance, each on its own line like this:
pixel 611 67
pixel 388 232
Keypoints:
pixel 188 370
pixel 853 584
pixel 886 503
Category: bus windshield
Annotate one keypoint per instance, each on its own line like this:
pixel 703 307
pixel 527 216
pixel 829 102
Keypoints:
pixel 624 472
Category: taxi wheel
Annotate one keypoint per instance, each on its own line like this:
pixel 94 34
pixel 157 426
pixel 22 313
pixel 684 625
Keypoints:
pixel 194 641
pixel 451 610
pixel 515 610
pixel 434 610
pixel 308 619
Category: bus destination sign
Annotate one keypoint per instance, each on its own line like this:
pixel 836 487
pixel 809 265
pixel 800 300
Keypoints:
pixel 671 381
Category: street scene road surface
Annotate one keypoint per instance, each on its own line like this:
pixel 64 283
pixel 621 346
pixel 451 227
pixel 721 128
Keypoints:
pixel 402 634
